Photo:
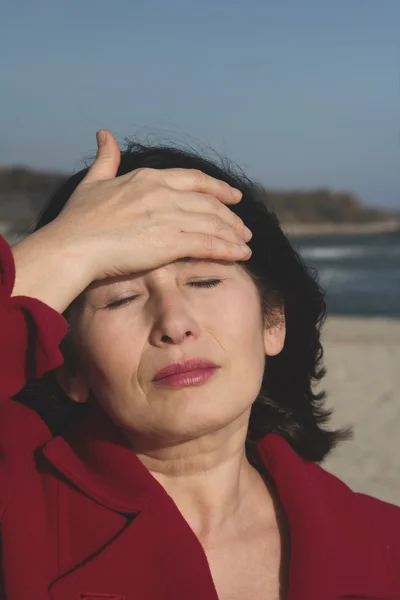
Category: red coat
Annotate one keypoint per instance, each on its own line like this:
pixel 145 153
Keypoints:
pixel 82 518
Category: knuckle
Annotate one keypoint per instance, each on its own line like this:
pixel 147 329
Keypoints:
pixel 217 222
pixel 198 176
pixel 225 187
pixel 208 241
pixel 239 224
pixel 211 201
pixel 233 220
pixel 141 172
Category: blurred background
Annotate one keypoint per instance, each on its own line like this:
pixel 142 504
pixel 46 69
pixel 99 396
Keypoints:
pixel 304 96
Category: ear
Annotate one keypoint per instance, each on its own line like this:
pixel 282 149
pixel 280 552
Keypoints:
pixel 73 385
pixel 275 333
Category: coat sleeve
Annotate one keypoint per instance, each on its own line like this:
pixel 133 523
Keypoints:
pixel 30 332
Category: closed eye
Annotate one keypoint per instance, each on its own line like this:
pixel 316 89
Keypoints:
pixel 207 283
pixel 121 302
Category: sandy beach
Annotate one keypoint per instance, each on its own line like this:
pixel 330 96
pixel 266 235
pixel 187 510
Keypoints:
pixel 363 384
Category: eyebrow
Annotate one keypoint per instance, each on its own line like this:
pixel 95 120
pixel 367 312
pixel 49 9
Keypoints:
pixel 185 259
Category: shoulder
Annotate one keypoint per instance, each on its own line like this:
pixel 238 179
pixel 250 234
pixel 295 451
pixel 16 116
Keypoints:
pixel 381 518
pixel 374 506
pixel 367 519
pixel 363 507
pixel 367 532
pixel 377 524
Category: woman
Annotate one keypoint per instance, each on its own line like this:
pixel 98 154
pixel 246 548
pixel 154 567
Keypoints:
pixel 187 467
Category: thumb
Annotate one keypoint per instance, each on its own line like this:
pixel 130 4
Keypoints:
pixel 107 159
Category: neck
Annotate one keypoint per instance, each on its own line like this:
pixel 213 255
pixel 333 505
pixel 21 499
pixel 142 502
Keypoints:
pixel 218 492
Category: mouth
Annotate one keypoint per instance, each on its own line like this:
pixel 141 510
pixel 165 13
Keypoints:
pixel 192 364
pixel 194 377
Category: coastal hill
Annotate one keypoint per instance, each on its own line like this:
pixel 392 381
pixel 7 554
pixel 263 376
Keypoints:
pixel 327 211
pixel 23 193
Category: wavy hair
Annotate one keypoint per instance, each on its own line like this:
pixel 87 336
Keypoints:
pixel 286 404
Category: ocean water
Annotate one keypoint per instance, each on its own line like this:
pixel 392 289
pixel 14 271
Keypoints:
pixel 361 273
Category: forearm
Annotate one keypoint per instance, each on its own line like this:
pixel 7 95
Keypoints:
pixel 50 269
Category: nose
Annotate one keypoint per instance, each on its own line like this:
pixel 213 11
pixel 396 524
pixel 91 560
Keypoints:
pixel 174 324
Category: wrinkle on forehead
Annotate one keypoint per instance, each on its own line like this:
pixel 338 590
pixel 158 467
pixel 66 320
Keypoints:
pixel 130 276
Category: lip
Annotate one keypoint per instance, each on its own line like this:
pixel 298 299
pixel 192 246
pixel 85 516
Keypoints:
pixel 192 364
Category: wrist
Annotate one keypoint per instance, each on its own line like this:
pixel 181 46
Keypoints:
pixel 49 267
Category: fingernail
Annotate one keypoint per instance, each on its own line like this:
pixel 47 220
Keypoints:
pixel 101 138
pixel 236 193
pixel 248 232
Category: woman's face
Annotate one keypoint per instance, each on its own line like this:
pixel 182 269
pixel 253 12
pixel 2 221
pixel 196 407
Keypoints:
pixel 171 318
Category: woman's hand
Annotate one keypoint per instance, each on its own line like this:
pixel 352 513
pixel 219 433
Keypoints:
pixel 149 217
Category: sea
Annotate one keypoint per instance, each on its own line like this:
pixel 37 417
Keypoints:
pixel 360 273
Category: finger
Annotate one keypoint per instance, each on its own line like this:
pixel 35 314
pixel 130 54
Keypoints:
pixel 197 181
pixel 205 203
pixel 200 245
pixel 205 223
pixel 107 159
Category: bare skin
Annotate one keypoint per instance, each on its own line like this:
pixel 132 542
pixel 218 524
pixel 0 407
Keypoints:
pixel 248 568
pixel 252 564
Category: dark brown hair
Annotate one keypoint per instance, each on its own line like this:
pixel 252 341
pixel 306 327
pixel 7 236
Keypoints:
pixel 286 404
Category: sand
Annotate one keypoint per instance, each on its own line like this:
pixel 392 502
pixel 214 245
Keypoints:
pixel 363 384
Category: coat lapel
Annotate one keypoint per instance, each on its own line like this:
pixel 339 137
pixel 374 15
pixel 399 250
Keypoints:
pixel 332 554
pixel 143 559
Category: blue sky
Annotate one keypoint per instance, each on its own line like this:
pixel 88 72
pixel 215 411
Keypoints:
pixel 301 93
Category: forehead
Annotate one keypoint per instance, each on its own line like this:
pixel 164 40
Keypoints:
pixel 180 263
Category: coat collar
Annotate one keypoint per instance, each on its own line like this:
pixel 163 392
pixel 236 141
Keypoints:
pixel 332 546
pixel 335 544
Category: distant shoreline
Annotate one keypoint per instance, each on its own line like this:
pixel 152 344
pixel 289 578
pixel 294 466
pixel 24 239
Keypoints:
pixel 301 229
pixel 290 229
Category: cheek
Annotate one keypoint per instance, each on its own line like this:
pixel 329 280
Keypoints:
pixel 239 332
pixel 112 355
pixel 241 319
pixel 241 325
